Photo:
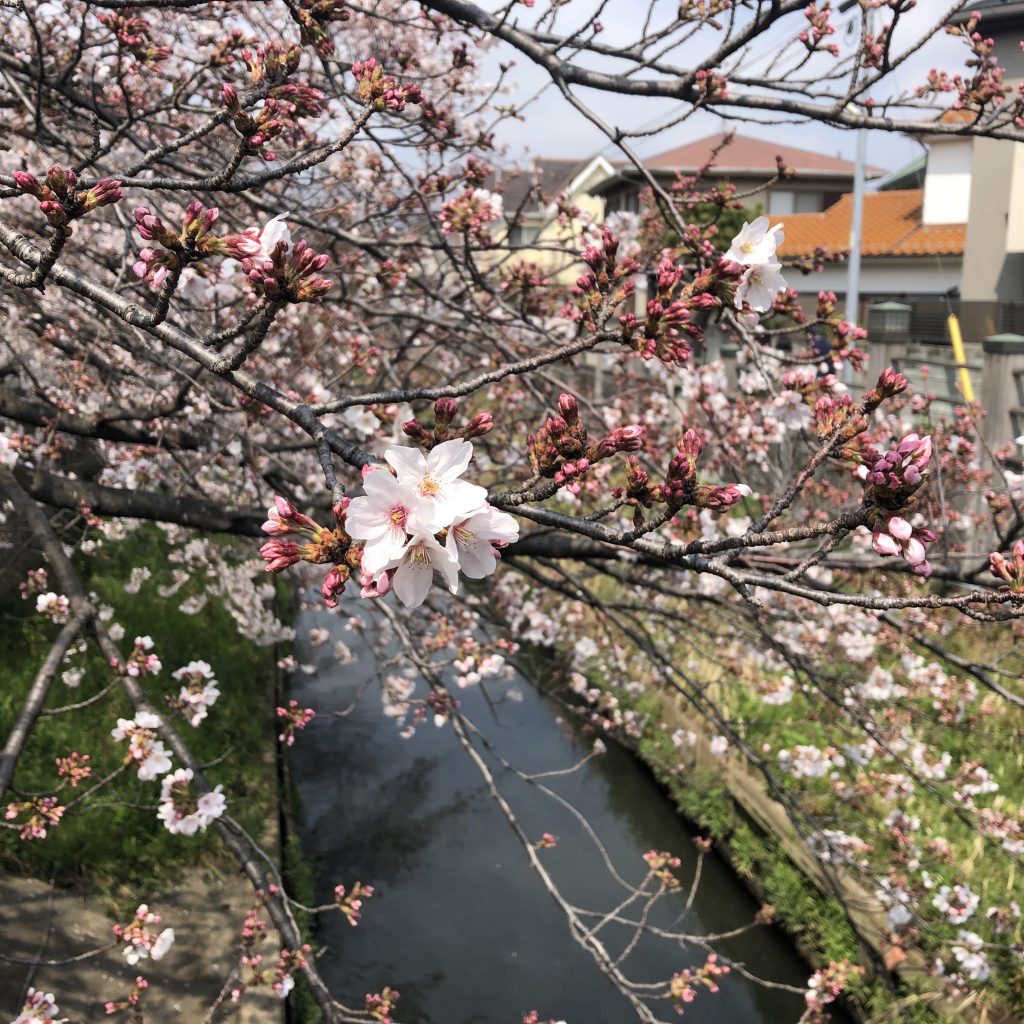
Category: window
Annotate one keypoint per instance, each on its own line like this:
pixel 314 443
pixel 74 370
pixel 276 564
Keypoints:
pixel 783 201
pixel 522 234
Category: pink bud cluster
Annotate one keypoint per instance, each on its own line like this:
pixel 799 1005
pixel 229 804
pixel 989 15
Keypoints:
pixel 313 17
pixel 662 864
pixel 290 273
pixel 681 487
pixel 890 384
pixel 562 450
pixel 380 1004
pixel 819 28
pixel 670 324
pixel 134 33
pixel 825 986
pixel 75 768
pixel 34 583
pixel 293 718
pixel 60 199
pixel 131 1003
pixel 683 986
pixel 324 544
pixel 37 815
pixel 380 91
pixel 190 242
pixel 891 479
pixel 609 283
pixel 350 902
pixel 468 213
pixel 281 111
pixel 445 410
pixel 1009 571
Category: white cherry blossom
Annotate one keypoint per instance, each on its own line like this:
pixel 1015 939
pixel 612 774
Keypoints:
pixel 434 480
pixel 759 286
pixel 756 243
pixel 470 540
pixel 414 568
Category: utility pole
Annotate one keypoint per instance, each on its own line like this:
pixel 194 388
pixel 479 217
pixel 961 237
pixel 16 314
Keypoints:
pixel 859 176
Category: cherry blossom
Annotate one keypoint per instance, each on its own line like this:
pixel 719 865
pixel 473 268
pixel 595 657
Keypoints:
pixel 759 286
pixel 756 243
pixel 434 480
pixel 474 541
pixel 415 565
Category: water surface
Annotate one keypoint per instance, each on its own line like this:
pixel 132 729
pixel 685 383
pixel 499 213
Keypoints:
pixel 461 925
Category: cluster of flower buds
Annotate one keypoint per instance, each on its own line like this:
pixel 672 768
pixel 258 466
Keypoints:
pixel 293 718
pixel 131 1003
pixel 681 487
pixel 380 1004
pixel 350 902
pixel 609 282
pixel 54 606
pixel 313 17
pixel 34 583
pixel 683 986
pixel 819 28
pixel 324 545
pixel 562 450
pixel 985 87
pixel 380 91
pixel 280 111
pixel 662 864
pixel 831 412
pixel 142 661
pixel 444 413
pixel 134 33
pixel 891 479
pixel 75 768
pixel 1009 571
pixel 290 273
pixel 896 536
pixel 442 705
pixel 288 962
pixel 60 199
pixel 890 384
pixel 193 240
pixel 469 212
pixel 669 315
pixel 825 986
pixel 142 942
pixel 38 1007
pixel 35 816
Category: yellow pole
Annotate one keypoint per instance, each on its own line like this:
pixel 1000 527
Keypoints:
pixel 957 341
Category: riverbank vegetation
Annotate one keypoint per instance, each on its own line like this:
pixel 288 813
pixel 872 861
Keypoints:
pixel 117 839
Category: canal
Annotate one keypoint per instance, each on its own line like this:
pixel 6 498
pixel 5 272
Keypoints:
pixel 461 924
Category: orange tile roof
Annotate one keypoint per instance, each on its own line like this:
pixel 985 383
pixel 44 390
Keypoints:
pixel 892 227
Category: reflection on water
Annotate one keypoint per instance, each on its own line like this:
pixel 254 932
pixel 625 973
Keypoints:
pixel 461 925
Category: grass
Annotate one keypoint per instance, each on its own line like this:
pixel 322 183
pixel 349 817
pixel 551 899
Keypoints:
pixel 115 838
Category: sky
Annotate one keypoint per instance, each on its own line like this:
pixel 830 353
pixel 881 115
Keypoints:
pixel 552 127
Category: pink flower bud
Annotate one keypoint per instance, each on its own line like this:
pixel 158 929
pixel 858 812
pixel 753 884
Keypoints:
pixel 900 528
pixel 884 545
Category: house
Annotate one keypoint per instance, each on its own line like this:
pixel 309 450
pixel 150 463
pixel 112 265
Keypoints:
pixel 534 232
pixel 944 234
pixel 598 186
pixel 816 182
